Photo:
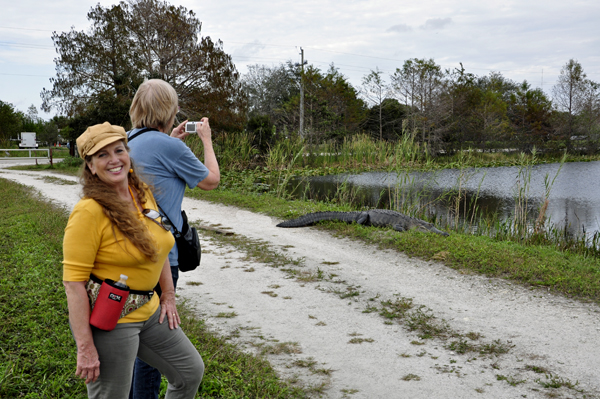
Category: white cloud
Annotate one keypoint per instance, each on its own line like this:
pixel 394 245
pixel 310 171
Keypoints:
pixel 248 49
pixel 401 28
pixel 436 23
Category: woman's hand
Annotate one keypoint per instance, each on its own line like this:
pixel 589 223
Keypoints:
pixel 179 132
pixel 202 129
pixel 204 132
pixel 88 364
pixel 168 307
pixel 167 298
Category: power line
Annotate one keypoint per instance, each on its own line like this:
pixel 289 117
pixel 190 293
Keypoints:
pixel 248 57
pixel 23 74
pixel 11 27
pixel 263 44
pixel 25 45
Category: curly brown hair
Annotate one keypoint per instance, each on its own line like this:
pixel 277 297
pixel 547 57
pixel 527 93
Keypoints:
pixel 117 210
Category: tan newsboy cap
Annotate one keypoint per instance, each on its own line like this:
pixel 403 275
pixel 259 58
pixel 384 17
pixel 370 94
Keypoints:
pixel 98 136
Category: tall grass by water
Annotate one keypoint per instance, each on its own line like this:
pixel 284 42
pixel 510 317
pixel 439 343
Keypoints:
pixel 353 153
pixel 362 152
pixel 236 151
pixel 293 157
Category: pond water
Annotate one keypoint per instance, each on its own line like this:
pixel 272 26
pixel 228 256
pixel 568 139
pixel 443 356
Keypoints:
pixel 574 200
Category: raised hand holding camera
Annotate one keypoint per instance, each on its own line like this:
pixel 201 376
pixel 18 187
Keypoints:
pixel 190 127
pixel 185 128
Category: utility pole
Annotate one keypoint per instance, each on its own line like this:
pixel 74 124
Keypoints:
pixel 302 62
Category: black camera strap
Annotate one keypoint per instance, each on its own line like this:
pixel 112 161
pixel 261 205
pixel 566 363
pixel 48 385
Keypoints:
pixel 144 130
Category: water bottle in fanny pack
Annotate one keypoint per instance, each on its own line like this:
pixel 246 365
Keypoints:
pixel 109 304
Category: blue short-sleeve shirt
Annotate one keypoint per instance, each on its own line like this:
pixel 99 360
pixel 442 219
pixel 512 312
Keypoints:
pixel 168 165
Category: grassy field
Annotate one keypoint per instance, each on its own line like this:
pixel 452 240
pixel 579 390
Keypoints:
pixel 37 351
pixel 562 272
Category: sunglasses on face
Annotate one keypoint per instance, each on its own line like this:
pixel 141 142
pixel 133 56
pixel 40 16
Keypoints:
pixel 154 216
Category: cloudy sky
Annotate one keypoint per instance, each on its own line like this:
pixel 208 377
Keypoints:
pixel 524 40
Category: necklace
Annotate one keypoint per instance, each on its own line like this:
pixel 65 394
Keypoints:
pixel 140 215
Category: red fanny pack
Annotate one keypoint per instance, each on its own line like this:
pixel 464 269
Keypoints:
pixel 110 303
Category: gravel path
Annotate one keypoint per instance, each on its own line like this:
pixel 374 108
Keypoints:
pixel 323 329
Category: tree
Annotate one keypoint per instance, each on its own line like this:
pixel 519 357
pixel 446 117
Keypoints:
pixel 171 48
pixel 49 135
pixel 345 110
pixel 529 111
pixel 262 129
pixel 376 90
pixel 419 84
pixel 10 123
pixel 268 87
pixel 589 117
pixel 101 63
pixel 492 118
pixel 99 71
pixel 31 122
pixel 567 95
pixel 331 106
pixel 461 94
pixel 389 117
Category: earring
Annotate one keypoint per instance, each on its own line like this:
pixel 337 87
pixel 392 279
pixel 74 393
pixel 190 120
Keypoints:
pixel 130 170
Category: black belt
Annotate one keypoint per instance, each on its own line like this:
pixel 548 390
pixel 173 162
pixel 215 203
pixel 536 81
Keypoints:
pixel 134 292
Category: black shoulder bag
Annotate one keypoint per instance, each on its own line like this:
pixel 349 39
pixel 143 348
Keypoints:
pixel 188 243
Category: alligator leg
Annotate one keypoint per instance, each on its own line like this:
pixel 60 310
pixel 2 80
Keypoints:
pixel 398 227
pixel 363 218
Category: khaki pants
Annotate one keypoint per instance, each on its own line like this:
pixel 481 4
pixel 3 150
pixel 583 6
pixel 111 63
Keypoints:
pixel 170 351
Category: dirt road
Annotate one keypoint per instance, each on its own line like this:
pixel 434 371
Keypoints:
pixel 316 312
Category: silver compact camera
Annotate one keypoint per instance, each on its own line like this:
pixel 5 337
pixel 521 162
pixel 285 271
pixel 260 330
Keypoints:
pixel 190 127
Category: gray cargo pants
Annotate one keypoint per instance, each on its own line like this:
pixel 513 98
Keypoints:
pixel 170 351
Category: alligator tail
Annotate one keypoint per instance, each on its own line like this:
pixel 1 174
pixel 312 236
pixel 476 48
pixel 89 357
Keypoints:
pixel 312 218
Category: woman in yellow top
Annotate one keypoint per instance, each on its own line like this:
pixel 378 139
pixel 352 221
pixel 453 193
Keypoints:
pixel 110 232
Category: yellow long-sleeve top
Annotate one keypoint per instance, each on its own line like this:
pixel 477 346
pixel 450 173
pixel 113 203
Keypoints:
pixel 92 246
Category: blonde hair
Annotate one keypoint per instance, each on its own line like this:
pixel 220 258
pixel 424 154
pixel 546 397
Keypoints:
pixel 117 210
pixel 154 105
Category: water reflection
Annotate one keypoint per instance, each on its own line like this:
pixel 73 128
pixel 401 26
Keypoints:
pixel 574 201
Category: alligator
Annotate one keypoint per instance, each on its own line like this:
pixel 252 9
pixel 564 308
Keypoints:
pixel 373 217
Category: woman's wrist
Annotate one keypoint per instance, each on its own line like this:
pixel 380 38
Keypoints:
pixel 167 295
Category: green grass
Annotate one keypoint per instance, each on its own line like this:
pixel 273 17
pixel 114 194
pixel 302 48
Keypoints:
pixel 37 351
pixel 37 358
pixel 561 272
